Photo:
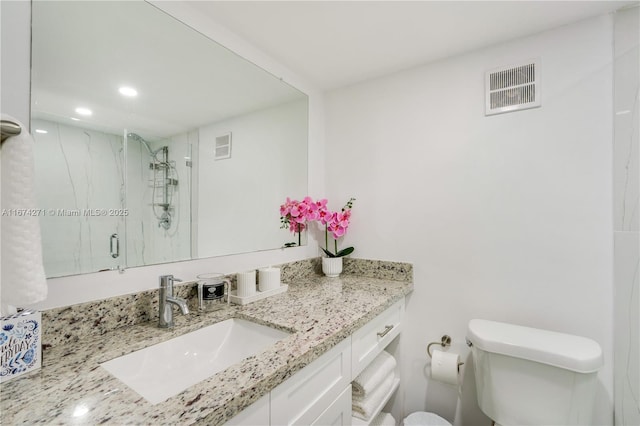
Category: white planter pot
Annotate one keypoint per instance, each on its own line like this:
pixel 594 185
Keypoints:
pixel 332 266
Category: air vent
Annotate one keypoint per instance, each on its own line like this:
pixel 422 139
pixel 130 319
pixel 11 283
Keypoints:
pixel 223 147
pixel 512 88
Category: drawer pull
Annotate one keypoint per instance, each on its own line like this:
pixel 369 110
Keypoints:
pixel 387 329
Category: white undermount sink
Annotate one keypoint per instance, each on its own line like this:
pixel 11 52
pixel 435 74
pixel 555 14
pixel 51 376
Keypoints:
pixel 166 369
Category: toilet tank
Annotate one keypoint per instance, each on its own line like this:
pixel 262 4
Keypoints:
pixel 527 376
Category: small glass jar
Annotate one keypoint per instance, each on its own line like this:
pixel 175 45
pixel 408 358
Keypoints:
pixel 212 289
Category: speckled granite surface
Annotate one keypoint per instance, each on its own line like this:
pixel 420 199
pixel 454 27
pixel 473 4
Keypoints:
pixel 72 388
pixel 72 323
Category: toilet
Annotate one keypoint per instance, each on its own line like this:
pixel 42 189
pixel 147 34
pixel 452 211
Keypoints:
pixel 422 418
pixel 527 376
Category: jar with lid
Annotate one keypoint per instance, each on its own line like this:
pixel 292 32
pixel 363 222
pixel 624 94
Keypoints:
pixel 212 289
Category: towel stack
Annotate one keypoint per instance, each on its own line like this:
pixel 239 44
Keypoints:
pixel 372 385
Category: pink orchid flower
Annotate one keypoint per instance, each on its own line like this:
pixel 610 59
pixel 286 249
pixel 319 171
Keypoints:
pixel 296 215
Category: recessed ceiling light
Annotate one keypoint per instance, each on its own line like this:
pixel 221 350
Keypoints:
pixel 75 119
pixel 41 131
pixel 83 111
pixel 128 91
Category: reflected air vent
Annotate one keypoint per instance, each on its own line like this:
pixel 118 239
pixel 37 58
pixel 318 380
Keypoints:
pixel 512 88
pixel 223 147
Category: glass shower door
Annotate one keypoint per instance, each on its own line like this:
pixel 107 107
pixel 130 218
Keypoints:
pixel 79 187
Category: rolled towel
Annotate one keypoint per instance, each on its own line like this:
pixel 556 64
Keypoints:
pixel 383 419
pixel 365 408
pixel 373 375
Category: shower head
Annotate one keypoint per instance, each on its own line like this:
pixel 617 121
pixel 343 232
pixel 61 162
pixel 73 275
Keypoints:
pixel 135 136
pixel 138 138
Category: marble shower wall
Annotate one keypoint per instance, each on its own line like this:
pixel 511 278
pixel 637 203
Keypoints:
pixel 627 214
pixel 78 175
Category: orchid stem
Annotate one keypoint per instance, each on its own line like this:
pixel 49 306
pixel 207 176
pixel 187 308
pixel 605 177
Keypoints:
pixel 326 237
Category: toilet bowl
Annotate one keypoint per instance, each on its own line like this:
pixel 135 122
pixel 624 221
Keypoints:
pixel 422 418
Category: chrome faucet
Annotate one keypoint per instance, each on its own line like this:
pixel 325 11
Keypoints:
pixel 167 299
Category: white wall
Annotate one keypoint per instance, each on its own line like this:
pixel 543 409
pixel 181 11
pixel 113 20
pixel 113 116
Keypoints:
pixel 626 235
pixel 267 165
pixel 81 288
pixel 505 217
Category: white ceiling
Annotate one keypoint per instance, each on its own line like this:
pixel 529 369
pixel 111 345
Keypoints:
pixel 337 43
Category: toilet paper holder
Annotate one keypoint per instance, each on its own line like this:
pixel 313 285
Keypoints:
pixel 445 341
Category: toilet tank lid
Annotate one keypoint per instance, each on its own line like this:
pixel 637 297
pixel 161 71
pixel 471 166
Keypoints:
pixel 561 350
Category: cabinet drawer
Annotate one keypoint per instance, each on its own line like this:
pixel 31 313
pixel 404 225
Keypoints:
pixel 373 337
pixel 306 395
pixel 338 413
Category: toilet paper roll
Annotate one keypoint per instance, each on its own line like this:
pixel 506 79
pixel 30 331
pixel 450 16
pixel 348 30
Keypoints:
pixel 444 367
pixel 246 283
pixel 268 279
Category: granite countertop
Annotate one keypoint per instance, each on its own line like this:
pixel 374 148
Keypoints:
pixel 71 387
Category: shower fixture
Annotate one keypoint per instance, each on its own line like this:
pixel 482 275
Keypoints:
pixel 139 138
pixel 165 178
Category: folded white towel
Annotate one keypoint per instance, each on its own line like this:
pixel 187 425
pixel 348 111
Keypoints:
pixel 373 375
pixel 365 408
pixel 383 419
pixel 23 280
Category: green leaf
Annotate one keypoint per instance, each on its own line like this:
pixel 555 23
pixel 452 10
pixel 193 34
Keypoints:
pixel 328 253
pixel 345 252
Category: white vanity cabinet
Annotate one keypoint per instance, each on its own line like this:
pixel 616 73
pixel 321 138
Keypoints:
pixel 320 393
pixel 302 398
pixel 257 414
pixel 338 413
pixel 368 341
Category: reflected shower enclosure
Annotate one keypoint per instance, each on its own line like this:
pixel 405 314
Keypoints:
pixel 109 200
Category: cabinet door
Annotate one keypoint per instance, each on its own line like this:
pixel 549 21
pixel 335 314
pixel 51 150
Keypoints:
pixel 257 414
pixel 338 413
pixel 374 336
pixel 302 398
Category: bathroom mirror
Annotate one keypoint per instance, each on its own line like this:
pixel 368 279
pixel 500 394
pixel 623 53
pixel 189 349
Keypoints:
pixel 154 143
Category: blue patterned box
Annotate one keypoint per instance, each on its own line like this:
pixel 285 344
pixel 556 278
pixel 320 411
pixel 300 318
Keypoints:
pixel 20 344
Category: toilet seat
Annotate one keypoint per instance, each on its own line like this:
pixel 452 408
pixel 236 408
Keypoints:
pixel 422 418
